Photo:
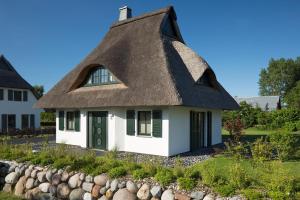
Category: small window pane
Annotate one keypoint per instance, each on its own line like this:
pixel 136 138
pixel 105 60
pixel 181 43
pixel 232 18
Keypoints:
pixel 100 76
pixel 144 122
pixel 11 121
pixel 17 96
pixel 10 95
pixel 1 94
pixel 25 96
pixel 70 120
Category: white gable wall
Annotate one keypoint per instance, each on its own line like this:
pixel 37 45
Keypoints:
pixel 19 107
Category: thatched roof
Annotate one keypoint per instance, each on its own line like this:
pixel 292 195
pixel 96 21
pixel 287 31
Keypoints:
pixel 10 78
pixel 148 56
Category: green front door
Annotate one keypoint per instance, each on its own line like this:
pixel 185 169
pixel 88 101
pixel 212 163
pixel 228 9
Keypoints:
pixel 97 130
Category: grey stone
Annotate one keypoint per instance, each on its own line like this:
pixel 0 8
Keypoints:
pixel 103 190
pixel 44 187
pixel 12 178
pixel 103 198
pixel 209 197
pixel 76 194
pixel 123 194
pixel 60 171
pixel 41 177
pixel 156 191
pixel 87 186
pixel 167 195
pixel 49 175
pixel 198 195
pixel 44 196
pixel 82 176
pixel 63 191
pixel 11 168
pixel 35 183
pixel 122 185
pixel 144 192
pixel 101 179
pixel 64 176
pixel 28 172
pixel 53 190
pixel 74 181
pixel 33 173
pixel 131 187
pixel 31 167
pixel 114 185
pixel 54 170
pixel 20 186
pixel 107 185
pixel 87 196
pixel 3 171
pixel 29 183
pixel 56 178
pixel 89 179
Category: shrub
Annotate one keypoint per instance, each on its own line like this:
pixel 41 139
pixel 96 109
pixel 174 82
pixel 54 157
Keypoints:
pixel 284 144
pixel 210 175
pixel 150 168
pixel 236 150
pixel 186 183
pixel 225 190
pixel 139 174
pixel 290 126
pixel 252 194
pixel 117 172
pixel 192 172
pixel 164 176
pixel 261 150
pixel 234 127
pixel 238 176
pixel 278 183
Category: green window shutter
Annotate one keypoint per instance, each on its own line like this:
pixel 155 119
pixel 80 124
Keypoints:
pixel 61 120
pixel 130 116
pixel 77 120
pixel 32 121
pixel 4 123
pixel 157 123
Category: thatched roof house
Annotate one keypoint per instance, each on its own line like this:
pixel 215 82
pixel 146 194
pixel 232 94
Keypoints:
pixel 147 65
pixel 17 97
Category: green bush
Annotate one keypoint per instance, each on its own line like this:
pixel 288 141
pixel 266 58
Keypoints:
pixel 236 150
pixel 210 175
pixel 290 126
pixel 139 174
pixel 164 176
pixel 252 194
pixel 285 144
pixel 186 183
pixel 47 116
pixel 150 168
pixel 261 150
pixel 225 190
pixel 238 176
pixel 117 172
pixel 278 183
pixel 192 172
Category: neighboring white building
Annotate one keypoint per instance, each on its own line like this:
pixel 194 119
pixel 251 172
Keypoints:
pixel 141 90
pixel 16 100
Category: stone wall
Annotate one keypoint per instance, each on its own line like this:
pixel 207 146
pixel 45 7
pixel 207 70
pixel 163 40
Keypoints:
pixel 42 183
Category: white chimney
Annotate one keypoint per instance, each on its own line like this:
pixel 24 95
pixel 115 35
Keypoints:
pixel 125 13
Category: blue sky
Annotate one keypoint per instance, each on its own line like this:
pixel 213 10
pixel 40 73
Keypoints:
pixel 45 39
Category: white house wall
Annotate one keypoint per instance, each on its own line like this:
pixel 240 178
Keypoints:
pixel 20 107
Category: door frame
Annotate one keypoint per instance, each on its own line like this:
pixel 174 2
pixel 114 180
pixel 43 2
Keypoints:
pixel 88 129
pixel 201 119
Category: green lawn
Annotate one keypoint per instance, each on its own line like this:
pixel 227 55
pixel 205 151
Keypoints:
pixel 8 196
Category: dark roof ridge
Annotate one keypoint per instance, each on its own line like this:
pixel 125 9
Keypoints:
pixel 150 14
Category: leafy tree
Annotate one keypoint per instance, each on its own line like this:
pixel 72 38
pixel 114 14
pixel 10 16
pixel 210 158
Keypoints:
pixel 279 77
pixel 39 90
pixel 293 97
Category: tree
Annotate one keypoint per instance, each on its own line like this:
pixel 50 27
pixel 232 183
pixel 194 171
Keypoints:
pixel 279 77
pixel 39 90
pixel 293 97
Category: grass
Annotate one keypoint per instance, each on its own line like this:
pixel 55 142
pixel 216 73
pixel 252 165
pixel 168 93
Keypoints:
pixel 8 196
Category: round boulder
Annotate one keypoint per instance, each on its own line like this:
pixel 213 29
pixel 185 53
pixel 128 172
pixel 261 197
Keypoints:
pixel 76 194
pixel 63 191
pixel 12 178
pixel 96 191
pixel 74 181
pixel 20 186
pixel 123 194
pixel 168 195
pixel 131 187
pixel 101 179
pixel 44 187
pixel 56 178
pixel 144 192
pixel 29 183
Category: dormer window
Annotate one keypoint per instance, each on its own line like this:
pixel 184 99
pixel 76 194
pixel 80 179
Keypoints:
pixel 100 76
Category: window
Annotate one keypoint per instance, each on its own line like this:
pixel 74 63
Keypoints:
pixel 25 121
pixel 32 121
pixel 10 95
pixel 100 76
pixel 17 95
pixel 11 121
pixel 144 123
pixel 73 120
pixel 61 116
pixel 1 94
pixel 70 121
pixel 25 95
